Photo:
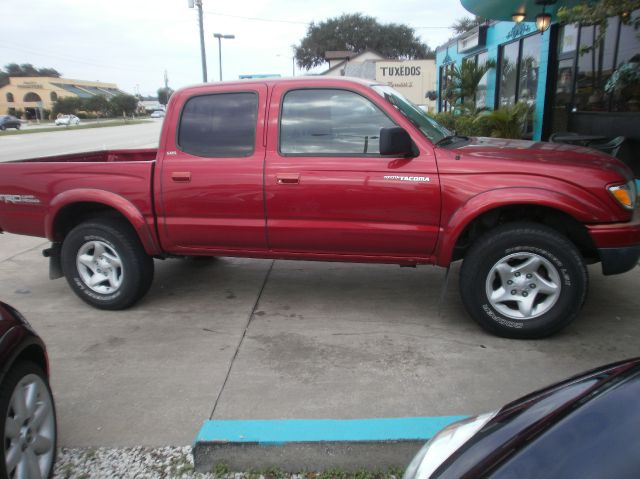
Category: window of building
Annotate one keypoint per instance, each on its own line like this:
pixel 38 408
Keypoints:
pixel 480 97
pixel 10 98
pixel 330 122
pixel 219 125
pixel 508 73
pixel 519 65
pixel 31 97
pixel 54 96
pixel 445 70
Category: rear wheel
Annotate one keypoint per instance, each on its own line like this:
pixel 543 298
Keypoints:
pixel 28 423
pixel 17 127
pixel 105 264
pixel 523 280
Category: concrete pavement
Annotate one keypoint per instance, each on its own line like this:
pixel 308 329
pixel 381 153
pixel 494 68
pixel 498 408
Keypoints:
pixel 322 340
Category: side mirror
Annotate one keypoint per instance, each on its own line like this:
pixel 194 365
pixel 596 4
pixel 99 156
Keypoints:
pixel 395 141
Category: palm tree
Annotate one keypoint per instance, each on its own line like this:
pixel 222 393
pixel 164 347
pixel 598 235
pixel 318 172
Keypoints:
pixel 462 84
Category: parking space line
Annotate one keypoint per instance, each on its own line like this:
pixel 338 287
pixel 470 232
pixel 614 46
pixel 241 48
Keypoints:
pixel 244 333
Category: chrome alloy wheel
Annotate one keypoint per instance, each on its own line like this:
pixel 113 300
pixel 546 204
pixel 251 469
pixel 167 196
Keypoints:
pixel 29 431
pixel 523 286
pixel 100 267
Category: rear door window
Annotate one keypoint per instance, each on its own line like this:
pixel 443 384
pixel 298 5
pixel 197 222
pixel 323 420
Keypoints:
pixel 219 125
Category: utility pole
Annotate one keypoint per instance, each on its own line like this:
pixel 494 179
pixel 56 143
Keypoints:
pixel 198 3
pixel 220 36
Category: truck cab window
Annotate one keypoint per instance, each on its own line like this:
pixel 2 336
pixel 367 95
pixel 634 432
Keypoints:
pixel 330 122
pixel 221 125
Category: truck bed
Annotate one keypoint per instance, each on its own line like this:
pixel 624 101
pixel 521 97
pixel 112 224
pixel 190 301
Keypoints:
pixel 32 189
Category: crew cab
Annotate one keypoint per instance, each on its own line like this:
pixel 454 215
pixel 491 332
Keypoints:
pixel 333 170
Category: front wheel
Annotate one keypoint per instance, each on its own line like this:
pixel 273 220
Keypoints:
pixel 28 423
pixel 523 280
pixel 105 264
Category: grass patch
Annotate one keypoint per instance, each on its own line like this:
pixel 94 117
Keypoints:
pixel 106 124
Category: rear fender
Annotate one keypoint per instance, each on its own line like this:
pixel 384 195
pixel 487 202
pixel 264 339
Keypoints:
pixel 111 200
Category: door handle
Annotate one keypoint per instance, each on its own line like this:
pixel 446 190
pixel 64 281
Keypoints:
pixel 181 176
pixel 288 179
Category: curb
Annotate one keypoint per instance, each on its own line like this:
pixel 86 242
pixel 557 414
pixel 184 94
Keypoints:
pixel 298 445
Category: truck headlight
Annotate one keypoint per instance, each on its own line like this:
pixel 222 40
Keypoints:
pixel 443 444
pixel 625 195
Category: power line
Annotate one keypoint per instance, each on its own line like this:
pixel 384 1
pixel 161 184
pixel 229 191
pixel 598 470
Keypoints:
pixel 274 20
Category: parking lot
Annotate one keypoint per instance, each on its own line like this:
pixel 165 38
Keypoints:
pixel 230 338
pixel 323 340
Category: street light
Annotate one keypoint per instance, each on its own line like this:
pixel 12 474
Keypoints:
pixel 198 3
pixel 220 36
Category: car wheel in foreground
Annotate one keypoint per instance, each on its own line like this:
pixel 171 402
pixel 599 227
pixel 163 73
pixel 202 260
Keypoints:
pixel 105 264
pixel 523 280
pixel 28 423
pixel 2 127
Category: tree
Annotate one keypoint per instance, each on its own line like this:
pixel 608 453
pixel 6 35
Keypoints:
pixel 463 81
pixel 98 104
pixel 25 70
pixel 68 105
pixel 123 104
pixel 164 94
pixel 357 33
pixel 465 24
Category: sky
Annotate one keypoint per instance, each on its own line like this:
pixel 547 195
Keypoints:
pixel 133 42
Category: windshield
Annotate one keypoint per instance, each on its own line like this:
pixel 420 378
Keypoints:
pixel 427 125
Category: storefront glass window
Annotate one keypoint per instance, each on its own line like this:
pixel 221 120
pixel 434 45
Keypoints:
pixel 481 91
pixel 624 84
pixel 509 73
pixel 529 65
pixel 595 66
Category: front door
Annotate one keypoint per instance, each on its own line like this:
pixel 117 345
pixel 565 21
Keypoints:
pixel 330 192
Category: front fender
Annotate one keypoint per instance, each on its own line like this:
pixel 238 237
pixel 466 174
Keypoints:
pixel 584 208
pixel 109 199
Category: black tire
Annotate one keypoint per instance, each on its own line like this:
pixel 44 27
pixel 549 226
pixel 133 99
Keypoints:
pixel 47 428
pixel 524 281
pixel 2 127
pixel 125 284
pixel 17 127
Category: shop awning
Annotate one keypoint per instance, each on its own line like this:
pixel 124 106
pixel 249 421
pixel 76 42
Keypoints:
pixel 504 9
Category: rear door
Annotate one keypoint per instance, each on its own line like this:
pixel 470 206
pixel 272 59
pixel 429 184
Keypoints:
pixel 211 196
pixel 328 189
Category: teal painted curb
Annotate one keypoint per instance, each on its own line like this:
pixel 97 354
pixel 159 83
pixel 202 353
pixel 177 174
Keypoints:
pixel 286 431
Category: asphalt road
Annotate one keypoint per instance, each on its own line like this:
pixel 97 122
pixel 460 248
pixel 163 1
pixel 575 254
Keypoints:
pixel 68 140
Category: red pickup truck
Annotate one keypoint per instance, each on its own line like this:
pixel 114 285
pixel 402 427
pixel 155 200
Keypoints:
pixel 333 170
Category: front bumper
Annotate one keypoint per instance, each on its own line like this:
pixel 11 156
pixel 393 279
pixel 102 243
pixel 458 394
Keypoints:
pixel 619 260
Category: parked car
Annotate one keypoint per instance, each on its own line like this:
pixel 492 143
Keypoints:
pixel 8 121
pixel 27 410
pixel 67 120
pixel 587 427
pixel 333 169
pixel 157 114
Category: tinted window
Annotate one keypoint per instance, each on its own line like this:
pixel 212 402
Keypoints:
pixel 600 439
pixel 219 125
pixel 509 73
pixel 334 122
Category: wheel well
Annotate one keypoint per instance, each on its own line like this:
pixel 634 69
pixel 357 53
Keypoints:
pixel 558 220
pixel 35 354
pixel 72 215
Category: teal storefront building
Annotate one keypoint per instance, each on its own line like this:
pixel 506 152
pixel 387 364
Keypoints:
pixel 570 81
